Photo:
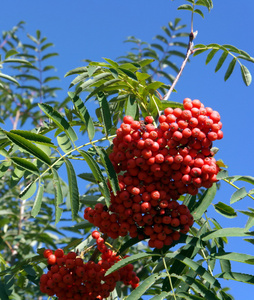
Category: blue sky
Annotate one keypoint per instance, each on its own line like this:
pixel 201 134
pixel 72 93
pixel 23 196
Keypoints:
pixel 95 29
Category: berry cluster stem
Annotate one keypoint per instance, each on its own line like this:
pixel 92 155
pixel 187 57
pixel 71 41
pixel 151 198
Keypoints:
pixel 188 53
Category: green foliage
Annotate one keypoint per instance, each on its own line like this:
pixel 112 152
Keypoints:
pixel 236 54
pixel 40 210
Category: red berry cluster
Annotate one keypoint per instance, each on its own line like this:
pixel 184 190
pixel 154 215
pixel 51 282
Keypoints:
pixel 70 278
pixel 158 165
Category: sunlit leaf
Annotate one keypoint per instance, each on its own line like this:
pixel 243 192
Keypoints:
pixel 73 188
pixel 238 195
pixel 38 199
pixel 28 191
pixel 246 75
pixel 28 147
pixel 225 210
pixel 59 120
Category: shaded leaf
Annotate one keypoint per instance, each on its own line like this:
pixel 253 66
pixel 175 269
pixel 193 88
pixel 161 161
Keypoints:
pixel 105 112
pixel 84 115
pixel 100 179
pixel 112 176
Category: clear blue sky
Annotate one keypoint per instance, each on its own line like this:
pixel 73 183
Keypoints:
pixel 95 29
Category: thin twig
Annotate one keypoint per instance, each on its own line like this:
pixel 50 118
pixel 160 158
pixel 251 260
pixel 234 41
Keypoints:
pixel 188 53
pixel 169 277
pixel 229 182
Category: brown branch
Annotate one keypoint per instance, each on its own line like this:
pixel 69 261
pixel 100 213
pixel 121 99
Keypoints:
pixel 188 53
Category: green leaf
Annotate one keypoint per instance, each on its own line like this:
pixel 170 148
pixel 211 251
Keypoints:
pixel 50 78
pixel 238 195
pixel 88 176
pixel 204 202
pixel 128 73
pixel 25 164
pixel 187 296
pixel 73 188
pixel 3 294
pixel 90 82
pixel 211 55
pixel 221 60
pixel 241 277
pixel 132 107
pixel 49 55
pixel 10 53
pixel 64 142
pixel 226 232
pixel 84 115
pixel 34 137
pixel 59 120
pixel 38 199
pixel 58 195
pixel 102 87
pixel 111 62
pixel 45 46
pixel 4 167
pixel 222 174
pixel 28 191
pixel 91 200
pixel 100 179
pixel 129 260
pixel 28 147
pixel 112 176
pixel 142 76
pixel 78 70
pixel 141 289
pixel 199 12
pixel 145 62
pixel 230 69
pixel 10 78
pixel 17 60
pixel 246 75
pixel 225 210
pixel 233 256
pixel 105 112
pixel 185 7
